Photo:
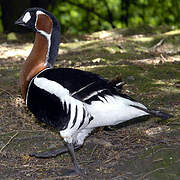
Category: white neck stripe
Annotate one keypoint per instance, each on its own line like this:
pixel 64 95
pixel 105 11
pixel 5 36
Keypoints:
pixel 45 34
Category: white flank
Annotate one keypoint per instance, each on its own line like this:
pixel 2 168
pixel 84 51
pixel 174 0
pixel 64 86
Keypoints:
pixel 63 94
pixel 26 17
pixel 113 110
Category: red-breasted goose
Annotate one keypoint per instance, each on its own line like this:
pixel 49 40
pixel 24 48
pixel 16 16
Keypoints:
pixel 72 101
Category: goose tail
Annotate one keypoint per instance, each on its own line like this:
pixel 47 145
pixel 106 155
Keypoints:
pixel 157 113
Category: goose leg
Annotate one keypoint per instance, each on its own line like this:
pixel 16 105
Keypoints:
pixel 52 153
pixel 70 147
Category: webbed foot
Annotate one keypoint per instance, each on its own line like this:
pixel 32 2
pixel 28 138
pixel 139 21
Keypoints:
pixel 47 154
pixel 52 153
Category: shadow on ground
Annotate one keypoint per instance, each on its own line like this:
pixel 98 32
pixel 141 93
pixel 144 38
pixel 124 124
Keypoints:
pixel 148 62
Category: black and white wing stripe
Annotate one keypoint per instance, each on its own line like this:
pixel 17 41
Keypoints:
pixel 81 84
pixel 75 109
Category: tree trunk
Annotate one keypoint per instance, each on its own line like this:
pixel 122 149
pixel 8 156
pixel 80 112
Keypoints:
pixel 125 9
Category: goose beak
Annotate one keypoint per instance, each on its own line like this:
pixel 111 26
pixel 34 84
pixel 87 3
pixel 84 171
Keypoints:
pixel 19 22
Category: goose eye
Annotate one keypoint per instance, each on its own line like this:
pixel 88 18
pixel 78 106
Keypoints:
pixel 26 17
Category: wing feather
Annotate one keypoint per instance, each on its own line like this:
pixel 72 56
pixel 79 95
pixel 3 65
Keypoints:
pixel 77 112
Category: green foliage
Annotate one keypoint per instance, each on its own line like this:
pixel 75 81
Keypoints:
pixel 86 16
pixel 82 16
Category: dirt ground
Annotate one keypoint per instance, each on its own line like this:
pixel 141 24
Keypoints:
pixel 147 148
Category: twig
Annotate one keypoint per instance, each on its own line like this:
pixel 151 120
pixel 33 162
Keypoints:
pixel 163 58
pixel 174 123
pixel 87 161
pixel 158 44
pixel 147 174
pixel 4 90
pixel 120 177
pixel 28 131
pixel 8 142
pixel 163 149
pixel 93 150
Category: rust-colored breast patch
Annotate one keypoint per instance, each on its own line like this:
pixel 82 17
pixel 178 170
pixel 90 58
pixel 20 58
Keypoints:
pixel 34 62
pixel 44 23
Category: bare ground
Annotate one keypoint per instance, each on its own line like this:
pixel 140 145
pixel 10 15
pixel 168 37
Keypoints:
pixel 147 148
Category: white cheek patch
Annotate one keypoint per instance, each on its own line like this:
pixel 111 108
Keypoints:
pixel 26 17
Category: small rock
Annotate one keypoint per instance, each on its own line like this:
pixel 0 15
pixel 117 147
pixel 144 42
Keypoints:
pixel 76 40
pixel 97 60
